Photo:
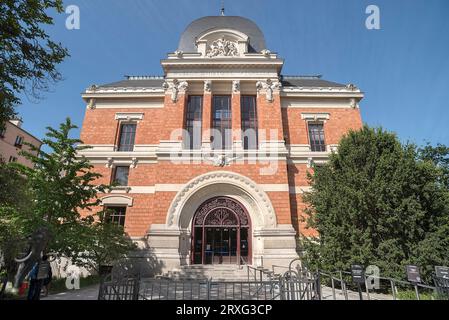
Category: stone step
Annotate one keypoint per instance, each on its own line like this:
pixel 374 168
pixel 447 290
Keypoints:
pixel 215 272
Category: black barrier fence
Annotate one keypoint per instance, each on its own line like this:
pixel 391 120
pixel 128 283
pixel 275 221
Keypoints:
pixel 288 287
pixel 279 283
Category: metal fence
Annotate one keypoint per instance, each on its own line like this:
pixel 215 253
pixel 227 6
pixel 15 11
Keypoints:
pixel 287 287
pixel 280 283
pixel 341 281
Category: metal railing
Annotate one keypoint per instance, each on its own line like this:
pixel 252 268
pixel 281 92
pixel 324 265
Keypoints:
pixel 289 286
pixel 342 281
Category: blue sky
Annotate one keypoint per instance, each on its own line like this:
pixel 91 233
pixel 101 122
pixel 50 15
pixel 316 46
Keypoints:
pixel 402 68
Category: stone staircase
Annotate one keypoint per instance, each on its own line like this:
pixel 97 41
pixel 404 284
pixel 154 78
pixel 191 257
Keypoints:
pixel 215 272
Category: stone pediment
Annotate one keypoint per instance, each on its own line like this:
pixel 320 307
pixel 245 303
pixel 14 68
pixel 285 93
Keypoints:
pixel 222 43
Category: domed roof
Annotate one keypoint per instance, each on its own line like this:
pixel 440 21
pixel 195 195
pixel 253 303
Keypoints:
pixel 244 25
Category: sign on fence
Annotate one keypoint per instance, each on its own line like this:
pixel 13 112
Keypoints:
pixel 413 274
pixel 442 272
pixel 358 273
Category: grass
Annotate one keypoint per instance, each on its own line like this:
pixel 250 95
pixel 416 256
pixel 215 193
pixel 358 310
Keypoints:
pixel 411 295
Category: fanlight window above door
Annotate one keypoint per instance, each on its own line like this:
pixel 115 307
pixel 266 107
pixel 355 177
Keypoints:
pixel 221 212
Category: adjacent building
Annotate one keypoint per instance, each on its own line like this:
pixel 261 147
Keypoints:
pixel 12 139
pixel 210 159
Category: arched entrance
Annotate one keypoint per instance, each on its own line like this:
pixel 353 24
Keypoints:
pixel 221 233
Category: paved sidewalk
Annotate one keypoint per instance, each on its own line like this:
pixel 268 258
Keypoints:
pixel 88 293
pixel 326 294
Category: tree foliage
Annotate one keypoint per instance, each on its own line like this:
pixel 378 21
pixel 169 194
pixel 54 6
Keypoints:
pixel 14 209
pixel 64 189
pixel 28 57
pixel 378 202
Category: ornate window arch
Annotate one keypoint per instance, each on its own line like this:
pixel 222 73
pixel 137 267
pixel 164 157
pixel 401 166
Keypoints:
pixel 222 211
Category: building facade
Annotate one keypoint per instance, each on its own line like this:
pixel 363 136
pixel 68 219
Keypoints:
pixel 12 141
pixel 210 159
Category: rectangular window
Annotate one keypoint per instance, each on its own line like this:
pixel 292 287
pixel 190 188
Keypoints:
pixel 2 132
pixel 222 123
pixel 316 137
pixel 12 159
pixel 116 215
pixel 121 176
pixel 194 113
pixel 19 142
pixel 249 122
pixel 127 137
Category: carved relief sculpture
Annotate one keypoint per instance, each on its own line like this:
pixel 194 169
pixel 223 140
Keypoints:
pixel 222 48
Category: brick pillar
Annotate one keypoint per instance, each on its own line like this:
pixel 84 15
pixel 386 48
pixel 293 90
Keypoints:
pixel 207 115
pixel 236 116
pixel 174 111
pixel 269 115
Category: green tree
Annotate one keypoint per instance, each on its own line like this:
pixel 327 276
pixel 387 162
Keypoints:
pixel 377 202
pixel 28 56
pixel 105 244
pixel 14 199
pixel 63 185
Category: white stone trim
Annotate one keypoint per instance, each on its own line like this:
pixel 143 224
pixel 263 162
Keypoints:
pixel 319 116
pixel 116 200
pixel 129 116
pixel 168 187
pixel 317 103
pixel 130 103
pixel 274 187
pixel 178 187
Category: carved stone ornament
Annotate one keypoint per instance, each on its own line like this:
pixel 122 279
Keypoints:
pixel 175 86
pixel 266 52
pixel 178 53
pixel 109 163
pixel 353 103
pixel 235 86
pixel 207 86
pixel 351 87
pixel 269 87
pixel 221 160
pixel 134 162
pixel 92 104
pixel 223 48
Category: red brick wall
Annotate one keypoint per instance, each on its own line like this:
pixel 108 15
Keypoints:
pixel 339 123
pixel 100 127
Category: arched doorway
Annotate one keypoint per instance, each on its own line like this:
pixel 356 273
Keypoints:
pixel 221 233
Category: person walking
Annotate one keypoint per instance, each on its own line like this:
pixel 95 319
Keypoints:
pixel 47 281
pixel 40 272
pixel 32 277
